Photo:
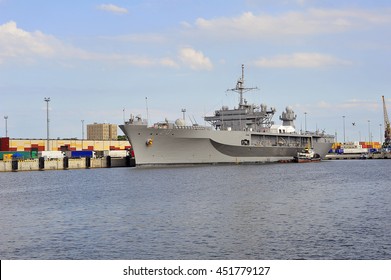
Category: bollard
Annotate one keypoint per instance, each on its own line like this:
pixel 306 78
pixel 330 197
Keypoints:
pixel 108 161
pixel 41 163
pixel 14 165
pixel 88 162
pixel 66 163
pixel 130 162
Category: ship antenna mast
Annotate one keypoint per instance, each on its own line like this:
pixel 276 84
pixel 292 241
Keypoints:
pixel 240 88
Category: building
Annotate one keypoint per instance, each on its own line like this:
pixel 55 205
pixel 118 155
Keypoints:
pixel 102 131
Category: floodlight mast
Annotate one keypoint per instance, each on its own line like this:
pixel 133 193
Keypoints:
pixel 47 100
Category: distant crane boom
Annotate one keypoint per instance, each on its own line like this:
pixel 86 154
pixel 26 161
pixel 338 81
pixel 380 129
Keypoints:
pixel 387 127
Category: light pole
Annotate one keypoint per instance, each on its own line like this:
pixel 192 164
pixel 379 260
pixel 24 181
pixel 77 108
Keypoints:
pixel 6 125
pixel 380 134
pixel 47 100
pixel 305 122
pixel 344 141
pixel 369 131
pixel 82 133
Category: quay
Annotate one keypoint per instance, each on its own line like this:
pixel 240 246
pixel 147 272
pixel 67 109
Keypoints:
pixel 63 154
pixel 42 164
pixel 358 156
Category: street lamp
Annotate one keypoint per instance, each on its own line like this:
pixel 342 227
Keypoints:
pixel 6 126
pixel 381 134
pixel 344 141
pixel 369 130
pixel 47 100
pixel 82 133
pixel 305 122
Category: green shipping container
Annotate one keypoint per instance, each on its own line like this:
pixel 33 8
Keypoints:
pixel 18 154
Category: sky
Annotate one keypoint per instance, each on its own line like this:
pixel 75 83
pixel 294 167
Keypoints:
pixel 102 61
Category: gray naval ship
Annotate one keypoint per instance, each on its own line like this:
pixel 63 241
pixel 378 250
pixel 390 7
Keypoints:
pixel 245 134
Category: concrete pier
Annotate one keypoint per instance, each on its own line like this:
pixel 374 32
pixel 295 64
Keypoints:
pixel 42 164
pixel 357 156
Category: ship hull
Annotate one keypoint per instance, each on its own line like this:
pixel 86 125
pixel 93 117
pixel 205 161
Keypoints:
pixel 155 146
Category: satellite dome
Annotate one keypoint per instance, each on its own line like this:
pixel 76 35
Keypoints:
pixel 180 122
pixel 289 109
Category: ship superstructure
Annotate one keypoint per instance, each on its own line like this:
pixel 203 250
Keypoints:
pixel 247 117
pixel 245 134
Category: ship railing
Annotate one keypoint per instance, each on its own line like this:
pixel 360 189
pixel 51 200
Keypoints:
pixel 193 127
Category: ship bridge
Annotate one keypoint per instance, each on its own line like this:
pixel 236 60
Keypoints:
pixel 247 117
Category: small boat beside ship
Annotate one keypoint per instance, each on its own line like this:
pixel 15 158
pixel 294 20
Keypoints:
pixel 244 134
pixel 307 155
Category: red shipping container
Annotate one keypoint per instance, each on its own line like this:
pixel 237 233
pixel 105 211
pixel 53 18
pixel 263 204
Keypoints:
pixel 4 144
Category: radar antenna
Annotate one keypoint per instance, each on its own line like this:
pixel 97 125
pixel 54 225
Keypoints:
pixel 240 88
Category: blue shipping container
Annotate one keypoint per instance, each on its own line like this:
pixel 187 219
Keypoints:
pixel 80 154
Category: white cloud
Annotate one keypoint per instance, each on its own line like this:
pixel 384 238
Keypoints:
pixel 15 42
pixel 166 61
pixel 23 46
pixel 303 23
pixel 196 60
pixel 300 60
pixel 112 9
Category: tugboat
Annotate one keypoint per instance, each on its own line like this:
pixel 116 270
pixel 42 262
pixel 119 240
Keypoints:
pixel 307 155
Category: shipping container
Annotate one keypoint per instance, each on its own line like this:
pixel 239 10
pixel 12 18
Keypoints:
pixel 112 153
pixel 4 144
pixel 355 151
pixel 80 154
pixel 7 157
pixel 16 154
pixel 51 154
pixel 21 155
pixel 34 154
pixel 118 153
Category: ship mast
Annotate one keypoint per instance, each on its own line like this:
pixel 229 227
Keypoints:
pixel 240 89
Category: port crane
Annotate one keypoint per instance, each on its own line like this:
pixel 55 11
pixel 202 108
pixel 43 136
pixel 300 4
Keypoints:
pixel 387 128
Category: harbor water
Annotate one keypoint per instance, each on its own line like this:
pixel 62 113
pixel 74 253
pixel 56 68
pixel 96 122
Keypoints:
pixel 327 210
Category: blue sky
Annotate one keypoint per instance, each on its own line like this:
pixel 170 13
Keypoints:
pixel 95 58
